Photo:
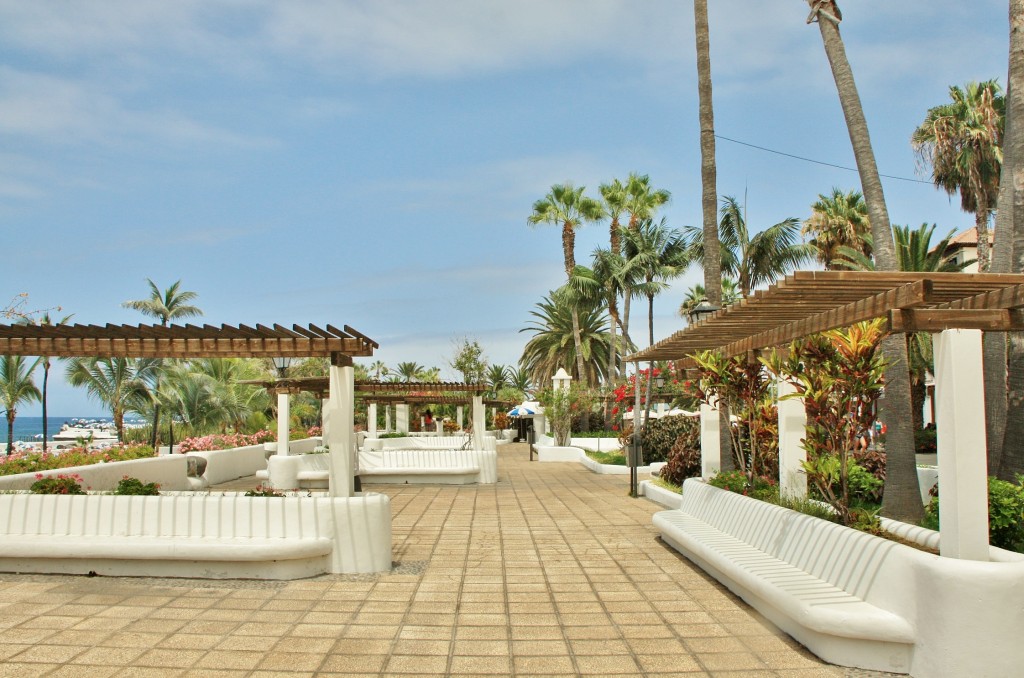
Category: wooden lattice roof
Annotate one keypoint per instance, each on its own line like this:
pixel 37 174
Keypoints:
pixel 434 392
pixel 183 341
pixel 807 302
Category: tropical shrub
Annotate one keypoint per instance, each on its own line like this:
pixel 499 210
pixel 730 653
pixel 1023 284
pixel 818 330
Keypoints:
pixel 393 435
pixel 225 441
pixel 839 376
pixel 737 481
pixel 264 491
pixel 33 462
pixel 683 461
pixel 925 441
pixel 59 484
pixel 659 436
pixel 561 406
pixel 449 426
pixel 134 486
pixel 501 421
pixel 1005 513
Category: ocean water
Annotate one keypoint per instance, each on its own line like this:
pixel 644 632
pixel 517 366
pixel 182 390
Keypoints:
pixel 26 428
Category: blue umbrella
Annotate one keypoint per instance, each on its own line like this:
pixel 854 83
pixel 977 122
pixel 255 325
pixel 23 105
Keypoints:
pixel 521 411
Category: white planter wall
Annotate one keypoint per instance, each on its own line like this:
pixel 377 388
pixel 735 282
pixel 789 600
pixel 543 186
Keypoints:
pixel 169 471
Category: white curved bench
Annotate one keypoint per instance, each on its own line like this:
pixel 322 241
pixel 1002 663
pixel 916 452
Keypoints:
pixel 852 598
pixel 207 536
pixel 446 467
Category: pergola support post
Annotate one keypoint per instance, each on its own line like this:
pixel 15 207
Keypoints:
pixel 960 436
pixel 458 416
pixel 283 421
pixel 371 420
pixel 341 440
pixel 402 417
pixel 710 441
pixel 792 431
pixel 479 422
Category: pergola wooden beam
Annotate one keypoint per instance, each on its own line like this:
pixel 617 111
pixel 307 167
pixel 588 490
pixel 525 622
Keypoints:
pixel 188 341
pixel 937 320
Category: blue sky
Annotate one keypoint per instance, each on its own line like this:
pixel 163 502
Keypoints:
pixel 374 163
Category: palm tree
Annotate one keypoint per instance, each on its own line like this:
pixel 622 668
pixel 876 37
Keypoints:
pixel 16 387
pixel 902 497
pixel 566 206
pixel 838 220
pixel 378 369
pixel 962 140
pixel 519 379
pixel 610 275
pixel 696 294
pixel 753 260
pixel 164 306
pixel 409 371
pixel 552 344
pixel 614 197
pixel 708 169
pixel 642 202
pixel 230 402
pixel 496 378
pixel 44 360
pixel 658 254
pixel 118 383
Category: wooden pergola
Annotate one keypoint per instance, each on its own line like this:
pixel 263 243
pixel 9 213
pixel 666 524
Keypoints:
pixel 807 302
pixel 183 341
pixel 225 341
pixel 957 307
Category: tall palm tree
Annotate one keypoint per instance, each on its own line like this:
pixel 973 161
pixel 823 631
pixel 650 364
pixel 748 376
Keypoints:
pixel 552 345
pixel 962 140
pixel 16 388
pixel 519 379
pixel 567 206
pixel 614 196
pixel 708 169
pixel 757 259
pixel 165 306
pixel 496 378
pixel 902 497
pixel 610 276
pixel 1010 220
pixel 658 254
pixel 409 371
pixel 378 369
pixel 696 294
pixel 642 203
pixel 44 360
pixel 118 383
pixel 838 220
pixel 230 402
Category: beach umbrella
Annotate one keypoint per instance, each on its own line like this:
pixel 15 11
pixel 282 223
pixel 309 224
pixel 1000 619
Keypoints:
pixel 521 411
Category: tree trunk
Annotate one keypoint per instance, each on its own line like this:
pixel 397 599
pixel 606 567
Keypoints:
pixel 901 499
pixel 708 170
pixel 994 343
pixel 918 393
pixel 981 224
pixel 1012 461
pixel 10 432
pixel 46 378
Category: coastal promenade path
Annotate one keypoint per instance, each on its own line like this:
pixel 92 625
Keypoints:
pixel 553 571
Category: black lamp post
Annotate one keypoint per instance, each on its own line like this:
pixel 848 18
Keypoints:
pixel 282 363
pixel 702 311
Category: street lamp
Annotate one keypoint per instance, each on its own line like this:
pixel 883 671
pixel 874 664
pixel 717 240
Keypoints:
pixel 282 363
pixel 702 311
pixel 561 380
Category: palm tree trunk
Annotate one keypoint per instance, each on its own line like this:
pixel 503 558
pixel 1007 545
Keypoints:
pixel 1012 461
pixel 994 343
pixel 10 432
pixel 981 224
pixel 708 169
pixel 46 378
pixel 901 498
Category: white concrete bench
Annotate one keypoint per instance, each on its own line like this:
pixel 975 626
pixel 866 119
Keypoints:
pixel 852 598
pixel 458 442
pixel 226 465
pixel 204 536
pixel 449 467
pixel 830 587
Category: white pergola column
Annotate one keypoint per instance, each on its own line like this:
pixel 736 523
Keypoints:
pixel 960 436
pixel 458 416
pixel 479 422
pixel 402 417
pixel 342 416
pixel 792 431
pixel 387 418
pixel 283 418
pixel 371 420
pixel 710 441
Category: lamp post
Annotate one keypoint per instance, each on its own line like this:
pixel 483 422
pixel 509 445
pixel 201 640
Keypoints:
pixel 702 311
pixel 282 363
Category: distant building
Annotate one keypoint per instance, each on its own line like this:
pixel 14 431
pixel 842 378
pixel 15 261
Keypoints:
pixel 964 247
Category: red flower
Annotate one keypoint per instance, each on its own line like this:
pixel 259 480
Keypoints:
pixel 615 427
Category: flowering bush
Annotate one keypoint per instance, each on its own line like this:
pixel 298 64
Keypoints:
pixel 60 484
pixel 224 441
pixel 450 425
pixel 314 432
pixel 134 486
pixel 33 462
pixel 264 491
pixel 501 421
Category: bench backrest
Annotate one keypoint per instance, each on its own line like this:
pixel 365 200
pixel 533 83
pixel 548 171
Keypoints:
pixel 861 564
pixel 205 516
pixel 435 443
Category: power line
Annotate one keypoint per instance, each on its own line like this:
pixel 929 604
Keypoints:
pixel 816 162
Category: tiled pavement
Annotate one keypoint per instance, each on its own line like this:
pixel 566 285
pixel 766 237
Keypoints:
pixel 554 571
